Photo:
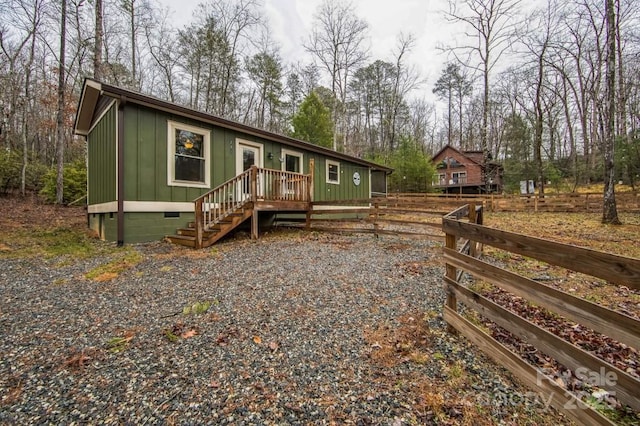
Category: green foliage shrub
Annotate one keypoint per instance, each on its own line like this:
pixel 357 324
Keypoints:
pixel 36 173
pixel 10 168
pixel 74 183
pixel 11 173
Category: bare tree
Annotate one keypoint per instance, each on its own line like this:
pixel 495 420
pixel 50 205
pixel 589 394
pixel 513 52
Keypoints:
pixel 453 86
pixel 130 7
pixel 60 115
pixel 97 49
pixel 163 48
pixel 265 70
pixel 537 41
pixel 35 17
pixel 406 81
pixel 337 42
pixel 609 209
pixel 491 24
pixel 12 52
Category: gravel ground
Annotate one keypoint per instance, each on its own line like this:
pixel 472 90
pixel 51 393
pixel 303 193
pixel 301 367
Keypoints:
pixel 303 328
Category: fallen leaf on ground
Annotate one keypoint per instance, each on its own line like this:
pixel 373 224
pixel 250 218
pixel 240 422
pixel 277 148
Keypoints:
pixel 188 334
pixel 257 340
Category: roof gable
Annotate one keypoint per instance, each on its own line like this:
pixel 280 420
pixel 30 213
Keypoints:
pixel 463 157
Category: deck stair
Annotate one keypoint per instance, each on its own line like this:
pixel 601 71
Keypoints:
pixel 224 208
pixel 213 232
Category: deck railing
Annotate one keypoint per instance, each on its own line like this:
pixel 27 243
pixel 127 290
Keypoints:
pixel 276 185
pixel 461 256
pixel 254 184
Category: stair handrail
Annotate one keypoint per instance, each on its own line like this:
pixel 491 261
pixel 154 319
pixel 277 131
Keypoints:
pixel 226 198
pixel 249 186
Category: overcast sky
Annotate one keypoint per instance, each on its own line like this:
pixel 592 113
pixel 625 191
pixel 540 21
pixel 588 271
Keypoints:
pixel 290 22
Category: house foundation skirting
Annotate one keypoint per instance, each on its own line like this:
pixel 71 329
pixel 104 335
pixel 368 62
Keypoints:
pixel 142 206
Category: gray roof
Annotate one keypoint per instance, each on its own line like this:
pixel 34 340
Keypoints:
pixel 93 91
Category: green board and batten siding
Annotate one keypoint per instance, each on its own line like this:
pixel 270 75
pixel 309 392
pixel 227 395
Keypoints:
pixel 346 189
pixel 101 176
pixel 145 171
pixel 146 160
pixel 101 149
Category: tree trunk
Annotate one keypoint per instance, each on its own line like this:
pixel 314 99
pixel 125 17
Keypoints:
pixel 60 115
pixel 27 96
pixel 609 208
pixel 539 123
pixel 450 106
pixel 460 119
pixel 485 124
pixel 133 46
pixel 97 49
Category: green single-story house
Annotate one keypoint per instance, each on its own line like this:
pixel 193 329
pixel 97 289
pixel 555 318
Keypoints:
pixel 155 166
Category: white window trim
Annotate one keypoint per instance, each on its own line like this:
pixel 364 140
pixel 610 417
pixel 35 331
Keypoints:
pixel 259 157
pixel 332 163
pixel 459 174
pixel 171 150
pixel 283 157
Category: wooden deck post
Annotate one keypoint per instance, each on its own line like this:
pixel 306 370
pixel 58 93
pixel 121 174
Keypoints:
pixel 311 178
pixel 309 194
pixel 254 224
pixel 199 219
pixel 254 198
pixel 254 183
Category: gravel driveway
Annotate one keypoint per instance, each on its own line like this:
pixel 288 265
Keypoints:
pixel 302 328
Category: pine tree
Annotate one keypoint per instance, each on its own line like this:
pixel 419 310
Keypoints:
pixel 312 122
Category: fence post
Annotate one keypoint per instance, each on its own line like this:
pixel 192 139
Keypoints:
pixel 375 217
pixel 472 219
pixel 586 200
pixel 199 219
pixel 450 273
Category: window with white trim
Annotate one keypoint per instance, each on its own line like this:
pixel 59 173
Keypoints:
pixel 188 155
pixel 291 161
pixel 459 178
pixel 333 172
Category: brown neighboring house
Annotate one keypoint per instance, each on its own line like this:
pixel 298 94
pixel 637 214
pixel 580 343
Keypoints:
pixel 462 172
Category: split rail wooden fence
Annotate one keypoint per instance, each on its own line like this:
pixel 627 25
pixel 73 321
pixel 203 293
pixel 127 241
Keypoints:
pixel 379 216
pixel 627 202
pixel 465 233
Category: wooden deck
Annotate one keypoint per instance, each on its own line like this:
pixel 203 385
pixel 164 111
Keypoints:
pixel 226 207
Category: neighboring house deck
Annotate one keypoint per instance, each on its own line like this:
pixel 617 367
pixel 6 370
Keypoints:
pixel 154 167
pixel 463 172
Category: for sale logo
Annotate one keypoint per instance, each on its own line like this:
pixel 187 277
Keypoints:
pixel 602 378
pixel 592 379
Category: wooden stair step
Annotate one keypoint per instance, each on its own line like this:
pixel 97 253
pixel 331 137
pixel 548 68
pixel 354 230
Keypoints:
pixel 191 232
pixel 183 240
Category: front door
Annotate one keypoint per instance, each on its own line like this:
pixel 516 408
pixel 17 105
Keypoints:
pixel 248 154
